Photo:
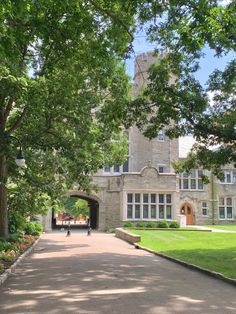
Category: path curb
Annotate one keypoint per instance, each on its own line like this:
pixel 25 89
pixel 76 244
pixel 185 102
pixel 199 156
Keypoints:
pixel 191 266
pixel 6 274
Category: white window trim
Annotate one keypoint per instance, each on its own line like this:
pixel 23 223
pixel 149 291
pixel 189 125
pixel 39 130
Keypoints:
pixel 141 203
pixel 189 178
pixel 231 177
pixel 225 208
pixel 203 207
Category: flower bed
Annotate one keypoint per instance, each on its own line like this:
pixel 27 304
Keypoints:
pixel 14 247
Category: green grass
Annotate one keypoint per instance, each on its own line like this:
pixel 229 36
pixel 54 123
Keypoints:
pixel 210 250
pixel 223 227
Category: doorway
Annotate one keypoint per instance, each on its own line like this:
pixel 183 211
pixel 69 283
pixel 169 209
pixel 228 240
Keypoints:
pixel 187 210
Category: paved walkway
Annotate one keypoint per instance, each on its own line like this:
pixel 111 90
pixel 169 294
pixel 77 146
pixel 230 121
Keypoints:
pixel 209 228
pixel 102 274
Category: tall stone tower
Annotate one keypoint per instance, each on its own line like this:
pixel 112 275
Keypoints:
pixel 160 151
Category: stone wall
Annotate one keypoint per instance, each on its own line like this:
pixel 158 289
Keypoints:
pixel 126 236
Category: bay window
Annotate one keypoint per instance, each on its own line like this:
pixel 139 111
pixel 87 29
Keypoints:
pixel 149 206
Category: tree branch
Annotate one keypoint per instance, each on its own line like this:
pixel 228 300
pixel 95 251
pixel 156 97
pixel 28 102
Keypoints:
pixel 114 17
pixel 7 110
pixel 18 121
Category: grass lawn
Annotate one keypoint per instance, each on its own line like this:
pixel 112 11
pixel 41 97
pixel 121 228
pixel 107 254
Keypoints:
pixel 210 250
pixel 223 227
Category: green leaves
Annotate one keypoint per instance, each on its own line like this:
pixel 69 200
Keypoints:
pixel 174 99
pixel 63 93
pixel 75 207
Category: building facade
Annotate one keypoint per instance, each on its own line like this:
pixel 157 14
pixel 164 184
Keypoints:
pixel 147 188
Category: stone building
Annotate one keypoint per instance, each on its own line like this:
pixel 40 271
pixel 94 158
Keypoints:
pixel 147 188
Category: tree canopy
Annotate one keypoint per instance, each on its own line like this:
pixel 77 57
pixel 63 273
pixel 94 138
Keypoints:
pixel 174 99
pixel 63 94
pixel 76 206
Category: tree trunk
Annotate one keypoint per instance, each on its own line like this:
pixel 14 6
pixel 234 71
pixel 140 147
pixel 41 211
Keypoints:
pixel 3 198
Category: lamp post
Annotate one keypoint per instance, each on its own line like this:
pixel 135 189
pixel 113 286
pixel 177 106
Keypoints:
pixel 20 160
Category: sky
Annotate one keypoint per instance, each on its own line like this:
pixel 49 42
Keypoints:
pixel 207 65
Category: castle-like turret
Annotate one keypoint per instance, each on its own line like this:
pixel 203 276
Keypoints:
pixel 160 151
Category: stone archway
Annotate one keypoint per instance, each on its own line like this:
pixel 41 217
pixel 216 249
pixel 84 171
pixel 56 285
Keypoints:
pixel 93 203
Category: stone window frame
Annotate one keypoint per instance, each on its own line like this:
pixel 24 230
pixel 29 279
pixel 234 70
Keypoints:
pixel 143 202
pixel 161 166
pixel 229 177
pixel 205 207
pixel 225 203
pixel 193 180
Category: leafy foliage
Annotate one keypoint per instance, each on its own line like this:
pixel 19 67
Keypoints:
pixel 162 224
pixel 174 224
pixel 33 228
pixel 16 221
pixel 174 99
pixel 15 237
pixel 140 224
pixel 151 224
pixel 128 224
pixel 74 207
pixel 64 95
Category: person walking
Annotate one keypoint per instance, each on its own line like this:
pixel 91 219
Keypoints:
pixel 68 230
pixel 89 227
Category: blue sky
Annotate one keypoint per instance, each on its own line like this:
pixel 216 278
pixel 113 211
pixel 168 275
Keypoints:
pixel 207 64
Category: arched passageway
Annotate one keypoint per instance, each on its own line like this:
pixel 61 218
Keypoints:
pixel 93 210
pixel 93 213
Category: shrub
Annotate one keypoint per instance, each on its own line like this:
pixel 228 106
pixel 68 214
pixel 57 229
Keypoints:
pixel 33 228
pixel 162 224
pixel 29 228
pixel 5 246
pixel 128 224
pixel 174 224
pixel 15 238
pixel 151 224
pixel 28 239
pixel 16 221
pixel 7 257
pixel 140 224
pixel 1 266
pixel 38 227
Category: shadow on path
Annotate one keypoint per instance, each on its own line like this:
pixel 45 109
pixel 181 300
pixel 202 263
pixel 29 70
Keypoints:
pixel 102 274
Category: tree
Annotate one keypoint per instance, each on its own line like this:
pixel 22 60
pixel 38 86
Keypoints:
pixel 74 207
pixel 174 99
pixel 63 94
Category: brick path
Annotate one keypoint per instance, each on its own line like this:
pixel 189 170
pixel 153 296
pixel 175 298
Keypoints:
pixel 102 274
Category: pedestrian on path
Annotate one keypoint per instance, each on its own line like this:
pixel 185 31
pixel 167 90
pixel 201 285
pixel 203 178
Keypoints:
pixel 68 230
pixel 89 227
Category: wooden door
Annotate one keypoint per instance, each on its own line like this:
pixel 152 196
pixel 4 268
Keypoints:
pixel 187 210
